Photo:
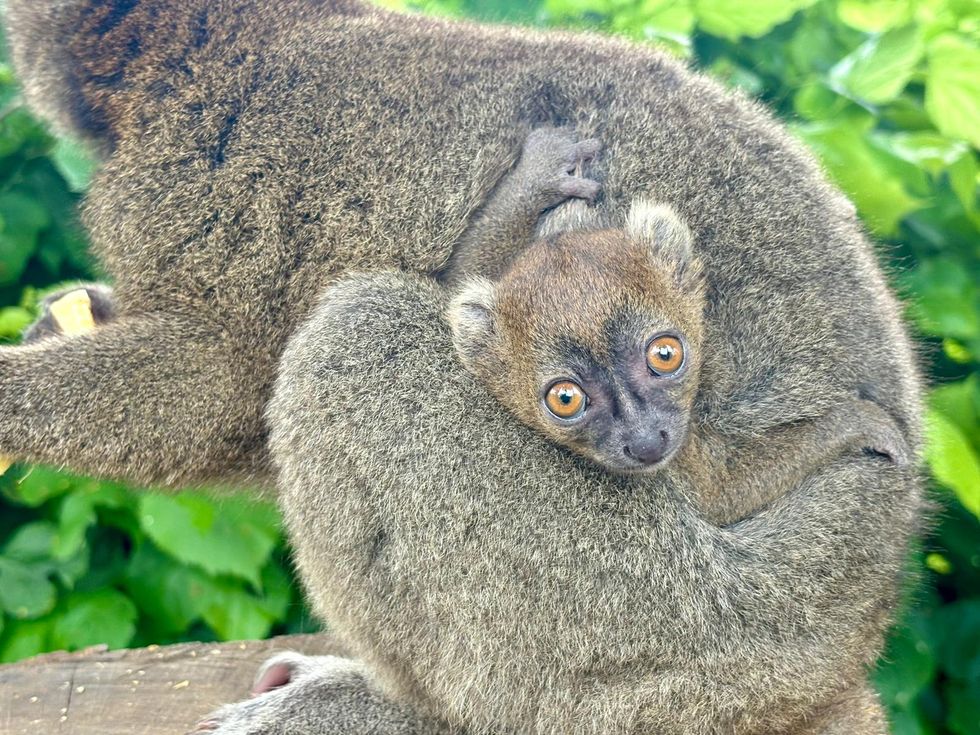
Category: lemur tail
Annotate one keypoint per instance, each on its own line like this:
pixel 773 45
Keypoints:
pixel 95 68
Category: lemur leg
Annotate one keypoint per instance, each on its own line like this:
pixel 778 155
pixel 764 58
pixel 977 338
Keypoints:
pixel 157 399
pixel 94 298
pixel 316 695
pixel 755 472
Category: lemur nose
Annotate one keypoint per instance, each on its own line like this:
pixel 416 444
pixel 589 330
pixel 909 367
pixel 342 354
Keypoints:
pixel 648 449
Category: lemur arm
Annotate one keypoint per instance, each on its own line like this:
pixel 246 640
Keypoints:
pixel 543 177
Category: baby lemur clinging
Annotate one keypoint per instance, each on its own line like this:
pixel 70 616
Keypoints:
pixel 591 335
pixel 594 336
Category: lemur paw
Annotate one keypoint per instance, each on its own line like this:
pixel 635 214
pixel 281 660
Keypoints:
pixel 552 161
pixel 72 310
pixel 311 695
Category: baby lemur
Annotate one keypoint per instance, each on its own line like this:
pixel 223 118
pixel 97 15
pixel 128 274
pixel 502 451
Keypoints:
pixel 594 335
pixel 591 334
pixel 520 589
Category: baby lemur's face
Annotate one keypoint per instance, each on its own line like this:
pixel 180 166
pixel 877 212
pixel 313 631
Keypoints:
pixel 593 338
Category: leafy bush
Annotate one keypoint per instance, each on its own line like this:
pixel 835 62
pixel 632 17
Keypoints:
pixel 885 92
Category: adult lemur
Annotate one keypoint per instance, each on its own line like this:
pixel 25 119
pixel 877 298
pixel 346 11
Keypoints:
pixel 255 149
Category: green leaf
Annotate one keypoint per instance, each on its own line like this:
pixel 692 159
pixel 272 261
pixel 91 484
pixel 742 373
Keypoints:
pixel 75 516
pixel 221 537
pixel 25 591
pixel 961 639
pixel 906 113
pixel 13 321
pixel 736 18
pixel 963 178
pixel 25 638
pixel 908 665
pixel 959 402
pixel 910 720
pixel 735 75
pixel 277 591
pixel 938 563
pixel 31 543
pixel 235 614
pixel 101 616
pixel 952 460
pixel 879 69
pixel 963 717
pixel 874 15
pixel 22 217
pixel 570 9
pixel 171 593
pixel 947 298
pixel 656 20
pixel 815 46
pixel 930 151
pixel 953 87
pixel 816 101
pixel 38 485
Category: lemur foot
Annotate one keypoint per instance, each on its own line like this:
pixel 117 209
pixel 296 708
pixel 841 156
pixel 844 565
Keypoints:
pixel 72 310
pixel 314 695
pixel 552 162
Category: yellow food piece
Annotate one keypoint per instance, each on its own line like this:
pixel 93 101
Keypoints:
pixel 73 315
pixel 73 312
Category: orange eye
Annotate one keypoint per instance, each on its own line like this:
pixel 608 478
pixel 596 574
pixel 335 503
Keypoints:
pixel 566 399
pixel 665 355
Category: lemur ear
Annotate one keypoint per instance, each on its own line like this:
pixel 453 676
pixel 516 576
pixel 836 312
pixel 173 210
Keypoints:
pixel 668 237
pixel 472 316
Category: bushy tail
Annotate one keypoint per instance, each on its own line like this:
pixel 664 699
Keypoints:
pixel 93 66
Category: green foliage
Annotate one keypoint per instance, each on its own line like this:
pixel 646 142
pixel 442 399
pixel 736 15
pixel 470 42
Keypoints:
pixel 85 562
pixel 886 93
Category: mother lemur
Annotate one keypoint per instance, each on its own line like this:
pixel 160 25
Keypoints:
pixel 255 150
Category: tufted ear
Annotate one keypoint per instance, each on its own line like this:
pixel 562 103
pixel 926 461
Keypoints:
pixel 472 317
pixel 665 233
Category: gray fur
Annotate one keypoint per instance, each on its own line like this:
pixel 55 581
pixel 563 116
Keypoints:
pixel 255 149
pixel 508 585
pixel 546 175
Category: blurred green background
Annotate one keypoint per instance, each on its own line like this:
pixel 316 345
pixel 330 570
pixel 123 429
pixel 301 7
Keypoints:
pixel 885 92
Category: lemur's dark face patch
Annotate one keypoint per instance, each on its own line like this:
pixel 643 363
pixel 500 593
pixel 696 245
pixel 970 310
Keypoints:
pixel 612 405
pixel 598 347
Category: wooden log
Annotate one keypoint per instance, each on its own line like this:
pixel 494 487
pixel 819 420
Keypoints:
pixel 159 690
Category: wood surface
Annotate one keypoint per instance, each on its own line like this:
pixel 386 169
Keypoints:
pixel 160 690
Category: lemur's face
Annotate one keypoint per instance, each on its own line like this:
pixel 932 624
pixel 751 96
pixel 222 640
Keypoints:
pixel 624 403
pixel 596 344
